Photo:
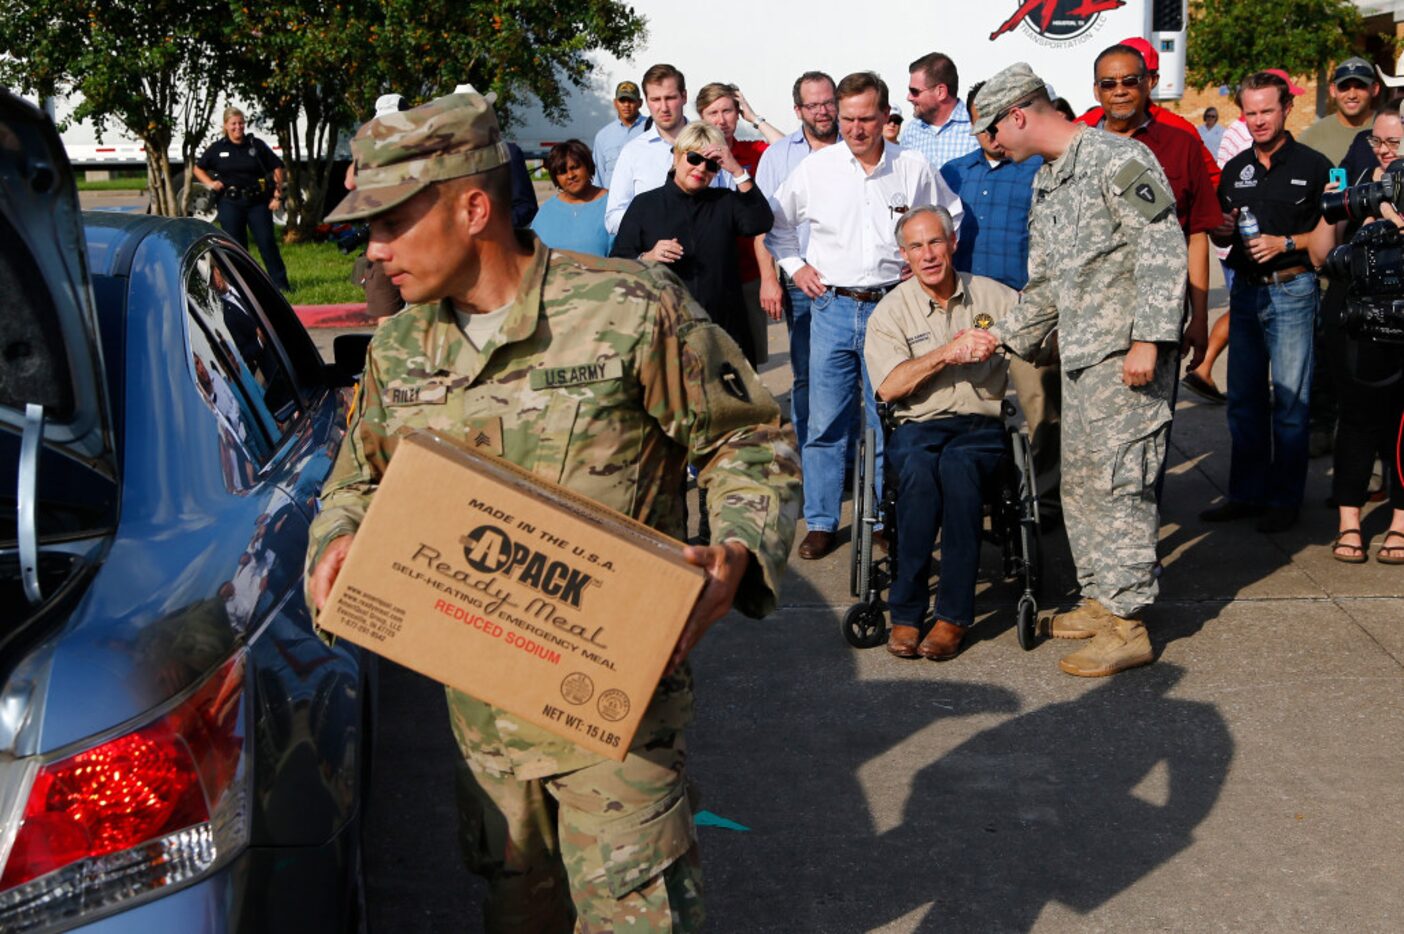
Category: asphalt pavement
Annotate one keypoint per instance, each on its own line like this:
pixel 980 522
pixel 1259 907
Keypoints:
pixel 1249 780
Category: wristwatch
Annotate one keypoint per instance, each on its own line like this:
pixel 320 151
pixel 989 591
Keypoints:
pixel 743 178
pixel 757 122
pixel 1289 244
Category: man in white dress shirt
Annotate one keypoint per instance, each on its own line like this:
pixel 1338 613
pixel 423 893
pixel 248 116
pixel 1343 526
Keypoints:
pixel 851 197
pixel 645 160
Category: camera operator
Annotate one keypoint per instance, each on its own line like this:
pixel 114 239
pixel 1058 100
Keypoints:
pixel 1368 376
pixel 1272 307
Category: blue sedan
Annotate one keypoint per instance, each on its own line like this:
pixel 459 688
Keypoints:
pixel 179 748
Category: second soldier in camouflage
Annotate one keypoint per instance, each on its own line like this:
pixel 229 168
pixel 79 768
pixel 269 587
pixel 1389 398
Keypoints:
pixel 1106 268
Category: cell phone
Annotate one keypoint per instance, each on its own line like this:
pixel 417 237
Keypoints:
pixel 1339 177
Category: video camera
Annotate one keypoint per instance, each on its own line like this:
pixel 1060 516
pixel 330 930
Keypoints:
pixel 1373 261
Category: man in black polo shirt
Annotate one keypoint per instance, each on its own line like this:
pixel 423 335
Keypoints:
pixel 1272 308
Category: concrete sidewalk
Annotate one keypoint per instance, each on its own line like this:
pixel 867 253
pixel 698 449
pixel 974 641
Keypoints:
pixel 1250 780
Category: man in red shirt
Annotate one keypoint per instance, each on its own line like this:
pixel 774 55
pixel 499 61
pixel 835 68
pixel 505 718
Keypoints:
pixel 1151 57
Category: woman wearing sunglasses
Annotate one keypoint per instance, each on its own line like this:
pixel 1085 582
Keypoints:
pixel 1369 381
pixel 692 227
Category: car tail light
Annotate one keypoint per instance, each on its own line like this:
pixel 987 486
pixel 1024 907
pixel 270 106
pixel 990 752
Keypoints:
pixel 151 808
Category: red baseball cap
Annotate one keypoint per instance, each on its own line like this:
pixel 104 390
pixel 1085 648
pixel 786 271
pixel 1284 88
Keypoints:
pixel 1296 91
pixel 1147 51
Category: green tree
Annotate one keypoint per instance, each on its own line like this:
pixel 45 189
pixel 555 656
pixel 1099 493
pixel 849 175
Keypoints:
pixel 154 67
pixel 302 64
pixel 315 67
pixel 1228 40
pixel 518 49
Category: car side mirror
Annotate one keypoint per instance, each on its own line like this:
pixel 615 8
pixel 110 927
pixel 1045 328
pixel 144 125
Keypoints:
pixel 349 356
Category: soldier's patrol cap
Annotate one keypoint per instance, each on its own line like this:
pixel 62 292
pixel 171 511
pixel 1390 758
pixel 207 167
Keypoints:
pixel 627 91
pixel 400 154
pixel 1011 86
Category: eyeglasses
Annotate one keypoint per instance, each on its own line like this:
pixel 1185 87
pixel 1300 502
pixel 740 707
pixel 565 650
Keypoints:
pixel 819 106
pixel 1390 145
pixel 1128 81
pixel 696 158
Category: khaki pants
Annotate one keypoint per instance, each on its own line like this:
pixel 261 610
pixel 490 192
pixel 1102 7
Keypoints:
pixel 610 847
pixel 1040 396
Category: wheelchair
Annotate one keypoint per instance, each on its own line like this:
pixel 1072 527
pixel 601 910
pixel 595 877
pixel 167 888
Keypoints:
pixel 1013 528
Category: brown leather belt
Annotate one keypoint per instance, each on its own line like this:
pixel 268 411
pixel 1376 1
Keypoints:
pixel 862 295
pixel 1279 276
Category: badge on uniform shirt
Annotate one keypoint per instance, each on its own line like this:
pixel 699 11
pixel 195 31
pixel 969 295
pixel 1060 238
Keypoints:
pixel 983 321
pixel 1146 193
pixel 484 434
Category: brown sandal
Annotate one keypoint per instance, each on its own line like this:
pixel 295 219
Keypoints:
pixel 1357 555
pixel 1390 554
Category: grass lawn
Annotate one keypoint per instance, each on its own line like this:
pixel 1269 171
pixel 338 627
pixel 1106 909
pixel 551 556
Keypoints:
pixel 113 184
pixel 320 273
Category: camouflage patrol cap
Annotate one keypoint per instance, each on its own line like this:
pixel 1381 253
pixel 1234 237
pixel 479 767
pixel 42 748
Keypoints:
pixel 399 154
pixel 1011 86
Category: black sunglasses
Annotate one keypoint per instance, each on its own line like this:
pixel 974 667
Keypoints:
pixel 1129 81
pixel 993 128
pixel 696 158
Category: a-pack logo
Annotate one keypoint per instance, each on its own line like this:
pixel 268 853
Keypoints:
pixel 1058 22
pixel 489 550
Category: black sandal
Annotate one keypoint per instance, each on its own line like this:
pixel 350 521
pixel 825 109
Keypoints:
pixel 1359 556
pixel 1397 556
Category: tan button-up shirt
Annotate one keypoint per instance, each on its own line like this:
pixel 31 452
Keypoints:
pixel 907 324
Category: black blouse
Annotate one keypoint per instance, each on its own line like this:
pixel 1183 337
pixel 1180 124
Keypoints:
pixel 706 224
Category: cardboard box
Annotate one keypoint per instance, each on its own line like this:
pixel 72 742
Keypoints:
pixel 514 590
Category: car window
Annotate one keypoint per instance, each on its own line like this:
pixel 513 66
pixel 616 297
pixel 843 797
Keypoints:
pixel 299 352
pixel 238 351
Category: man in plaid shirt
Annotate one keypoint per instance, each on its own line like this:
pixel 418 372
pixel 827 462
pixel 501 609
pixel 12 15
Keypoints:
pixel 940 124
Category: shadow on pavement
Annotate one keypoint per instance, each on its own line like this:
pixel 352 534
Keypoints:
pixel 1071 802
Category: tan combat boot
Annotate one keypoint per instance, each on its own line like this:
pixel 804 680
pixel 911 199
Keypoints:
pixel 1124 645
pixel 1084 622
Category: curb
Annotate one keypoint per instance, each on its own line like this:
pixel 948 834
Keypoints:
pixel 347 315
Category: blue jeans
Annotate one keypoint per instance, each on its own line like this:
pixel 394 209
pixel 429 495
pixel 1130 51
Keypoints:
pixel 797 319
pixel 1270 338
pixel 942 469
pixel 837 327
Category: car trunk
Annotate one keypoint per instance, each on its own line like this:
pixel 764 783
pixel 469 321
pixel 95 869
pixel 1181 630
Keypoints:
pixel 58 468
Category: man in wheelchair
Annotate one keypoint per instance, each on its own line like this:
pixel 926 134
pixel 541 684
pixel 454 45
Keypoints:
pixel 944 453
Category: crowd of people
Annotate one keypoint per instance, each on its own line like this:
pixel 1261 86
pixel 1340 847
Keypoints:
pixel 999 239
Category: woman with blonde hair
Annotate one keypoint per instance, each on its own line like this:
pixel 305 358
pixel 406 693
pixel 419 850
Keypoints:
pixel 692 227
pixel 723 106
pixel 247 178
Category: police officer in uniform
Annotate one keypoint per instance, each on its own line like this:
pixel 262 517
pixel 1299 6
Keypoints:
pixel 564 837
pixel 248 178
pixel 1107 267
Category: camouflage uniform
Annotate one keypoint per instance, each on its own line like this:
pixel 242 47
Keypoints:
pixel 608 378
pixel 1106 268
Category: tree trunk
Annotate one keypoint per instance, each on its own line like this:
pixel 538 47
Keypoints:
pixel 158 180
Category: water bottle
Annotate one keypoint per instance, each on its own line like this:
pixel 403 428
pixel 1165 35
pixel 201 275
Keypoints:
pixel 1248 227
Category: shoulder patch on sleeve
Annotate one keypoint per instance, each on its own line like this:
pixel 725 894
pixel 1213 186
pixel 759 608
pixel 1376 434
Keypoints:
pixel 1139 187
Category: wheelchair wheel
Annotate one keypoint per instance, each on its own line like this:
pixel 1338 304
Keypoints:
pixel 864 626
pixel 859 559
pixel 1027 625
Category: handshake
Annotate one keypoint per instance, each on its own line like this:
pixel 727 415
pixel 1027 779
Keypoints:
pixel 972 345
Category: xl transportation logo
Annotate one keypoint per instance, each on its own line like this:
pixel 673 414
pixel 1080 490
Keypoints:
pixel 1058 22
